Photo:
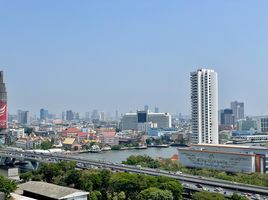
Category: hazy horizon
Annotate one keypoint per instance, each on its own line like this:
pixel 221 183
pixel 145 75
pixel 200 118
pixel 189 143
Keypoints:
pixel 122 55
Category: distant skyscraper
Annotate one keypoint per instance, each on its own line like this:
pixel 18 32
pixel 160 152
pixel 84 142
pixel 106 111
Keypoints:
pixel 3 102
pixel 77 116
pixel 227 117
pixel 24 117
pixel 63 116
pixel 95 115
pixel 43 114
pixel 204 102
pixel 156 110
pixel 146 108
pixel 238 110
pixel 102 116
pixel 87 115
pixel 69 115
pixel 116 115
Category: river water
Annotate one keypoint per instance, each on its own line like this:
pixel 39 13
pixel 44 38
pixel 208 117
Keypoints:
pixel 121 155
pixel 3 172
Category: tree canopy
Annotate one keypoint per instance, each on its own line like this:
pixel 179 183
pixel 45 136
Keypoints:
pixel 106 185
pixel 7 186
pixel 155 194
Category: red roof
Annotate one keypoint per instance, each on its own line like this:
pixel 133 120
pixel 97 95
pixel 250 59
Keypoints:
pixel 82 134
pixel 108 134
pixel 71 130
pixel 175 157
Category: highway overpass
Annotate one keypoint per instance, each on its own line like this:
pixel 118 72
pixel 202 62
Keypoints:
pixel 88 163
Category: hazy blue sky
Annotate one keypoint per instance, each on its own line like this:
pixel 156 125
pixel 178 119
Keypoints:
pixel 122 54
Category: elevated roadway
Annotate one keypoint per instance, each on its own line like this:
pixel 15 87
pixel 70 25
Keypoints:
pixel 184 178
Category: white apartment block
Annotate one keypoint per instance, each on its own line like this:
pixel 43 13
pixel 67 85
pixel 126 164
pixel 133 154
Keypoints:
pixel 204 103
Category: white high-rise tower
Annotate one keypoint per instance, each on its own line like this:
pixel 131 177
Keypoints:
pixel 204 98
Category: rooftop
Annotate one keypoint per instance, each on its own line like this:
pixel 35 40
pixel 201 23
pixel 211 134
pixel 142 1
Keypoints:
pixel 51 190
pixel 69 141
pixel 230 146
pixel 71 130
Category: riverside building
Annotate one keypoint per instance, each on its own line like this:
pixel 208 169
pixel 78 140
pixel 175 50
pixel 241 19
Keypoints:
pixel 229 158
pixel 131 121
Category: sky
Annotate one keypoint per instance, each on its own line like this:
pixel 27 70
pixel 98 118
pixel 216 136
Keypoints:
pixel 123 54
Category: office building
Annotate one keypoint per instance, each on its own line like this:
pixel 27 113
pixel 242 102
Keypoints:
pixel 3 102
pixel 23 117
pixel 246 124
pixel 43 114
pixel 146 108
pixel 95 115
pixel 156 110
pixel 63 116
pixel 262 124
pixel 102 116
pixel 69 115
pixel 87 115
pixel 77 116
pixel 116 115
pixel 130 121
pixel 238 110
pixel 204 103
pixel 227 117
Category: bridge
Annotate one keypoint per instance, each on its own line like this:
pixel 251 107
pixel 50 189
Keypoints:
pixel 188 180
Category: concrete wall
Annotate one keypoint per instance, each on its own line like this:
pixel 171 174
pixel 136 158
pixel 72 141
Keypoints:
pixel 218 161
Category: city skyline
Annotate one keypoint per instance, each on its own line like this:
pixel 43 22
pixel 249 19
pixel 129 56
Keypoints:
pixel 82 62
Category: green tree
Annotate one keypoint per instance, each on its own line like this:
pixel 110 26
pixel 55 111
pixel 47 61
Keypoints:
pixel 158 141
pixel 122 196
pixel 49 171
pixel 235 196
pixel 95 195
pixel 7 186
pixel 66 166
pixel 208 196
pixel 26 176
pixel 149 141
pixel 155 194
pixel 145 161
pixel 175 187
pixel 28 130
pixel 116 196
pixel 73 178
pixel 46 145
pixel 128 183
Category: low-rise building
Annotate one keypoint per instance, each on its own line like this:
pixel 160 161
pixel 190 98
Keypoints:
pixel 17 133
pixel 70 144
pixel 158 132
pixel 262 124
pixel 230 158
pixel 109 138
pixel 254 138
pixel 48 191
pixel 29 143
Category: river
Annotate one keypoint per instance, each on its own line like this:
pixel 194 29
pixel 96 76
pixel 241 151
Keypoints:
pixel 121 155
pixel 3 172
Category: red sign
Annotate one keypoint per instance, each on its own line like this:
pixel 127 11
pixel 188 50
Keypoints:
pixel 3 115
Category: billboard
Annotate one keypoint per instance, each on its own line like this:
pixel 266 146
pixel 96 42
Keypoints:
pixel 3 115
pixel 218 160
